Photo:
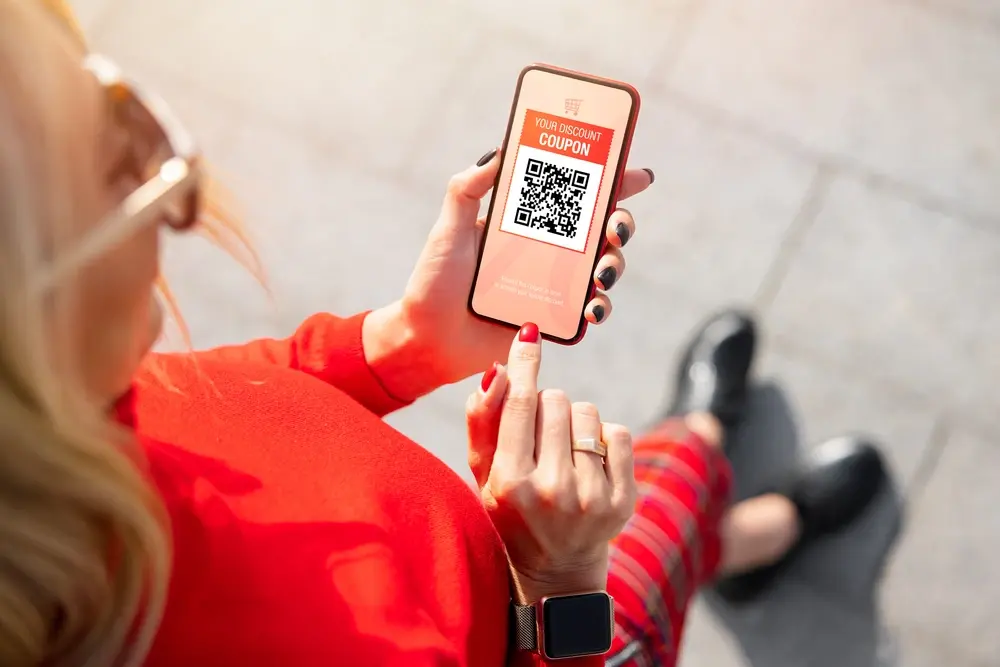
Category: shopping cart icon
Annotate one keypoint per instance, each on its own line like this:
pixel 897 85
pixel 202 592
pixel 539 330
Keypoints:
pixel 573 106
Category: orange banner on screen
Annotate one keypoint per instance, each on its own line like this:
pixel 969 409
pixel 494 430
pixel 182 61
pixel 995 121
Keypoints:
pixel 566 137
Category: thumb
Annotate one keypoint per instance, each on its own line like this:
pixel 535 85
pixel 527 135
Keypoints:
pixel 482 419
pixel 466 189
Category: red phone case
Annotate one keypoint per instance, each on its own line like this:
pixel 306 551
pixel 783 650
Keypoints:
pixel 616 187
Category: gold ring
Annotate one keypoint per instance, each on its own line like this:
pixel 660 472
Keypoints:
pixel 591 446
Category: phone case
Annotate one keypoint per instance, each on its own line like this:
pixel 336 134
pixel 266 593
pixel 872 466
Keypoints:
pixel 616 187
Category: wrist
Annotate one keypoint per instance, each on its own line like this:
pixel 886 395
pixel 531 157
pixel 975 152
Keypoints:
pixel 532 588
pixel 398 356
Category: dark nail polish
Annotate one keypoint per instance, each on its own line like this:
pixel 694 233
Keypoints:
pixel 489 376
pixel 623 233
pixel 598 313
pixel 484 160
pixel 607 277
pixel 528 333
pixel 652 176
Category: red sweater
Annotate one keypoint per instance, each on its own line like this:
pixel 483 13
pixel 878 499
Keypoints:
pixel 306 531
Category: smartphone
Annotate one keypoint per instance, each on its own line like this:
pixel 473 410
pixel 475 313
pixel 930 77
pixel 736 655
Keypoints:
pixel 563 158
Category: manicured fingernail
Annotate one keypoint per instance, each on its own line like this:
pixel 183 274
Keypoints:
pixel 489 376
pixel 607 277
pixel 485 159
pixel 598 313
pixel 623 233
pixel 528 333
pixel 652 176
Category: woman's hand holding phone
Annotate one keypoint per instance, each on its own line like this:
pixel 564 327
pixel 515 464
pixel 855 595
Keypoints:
pixel 555 507
pixel 429 338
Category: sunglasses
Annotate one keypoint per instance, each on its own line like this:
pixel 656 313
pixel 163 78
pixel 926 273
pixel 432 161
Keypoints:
pixel 163 157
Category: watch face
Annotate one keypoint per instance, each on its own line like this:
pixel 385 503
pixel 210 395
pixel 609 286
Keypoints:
pixel 576 625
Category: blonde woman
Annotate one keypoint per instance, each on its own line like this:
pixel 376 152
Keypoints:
pixel 247 506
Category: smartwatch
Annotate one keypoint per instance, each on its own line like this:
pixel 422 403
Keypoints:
pixel 565 626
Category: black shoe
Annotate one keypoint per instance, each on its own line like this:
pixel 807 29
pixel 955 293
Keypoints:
pixel 715 369
pixel 830 489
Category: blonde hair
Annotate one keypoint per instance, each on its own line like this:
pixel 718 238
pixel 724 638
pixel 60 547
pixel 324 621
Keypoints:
pixel 84 548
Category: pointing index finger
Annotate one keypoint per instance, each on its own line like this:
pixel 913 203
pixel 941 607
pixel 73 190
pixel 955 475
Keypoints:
pixel 516 440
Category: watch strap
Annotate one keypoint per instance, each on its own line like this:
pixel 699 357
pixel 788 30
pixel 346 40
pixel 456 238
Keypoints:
pixel 523 627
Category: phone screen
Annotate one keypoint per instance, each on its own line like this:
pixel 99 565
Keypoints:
pixel 566 145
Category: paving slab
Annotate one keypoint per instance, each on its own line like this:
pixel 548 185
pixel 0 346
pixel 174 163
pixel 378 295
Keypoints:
pixel 718 212
pixel 625 43
pixel 707 641
pixel 924 651
pixel 942 590
pixel 330 239
pixel 969 10
pixel 901 293
pixel 898 88
pixel 791 626
pixel 341 73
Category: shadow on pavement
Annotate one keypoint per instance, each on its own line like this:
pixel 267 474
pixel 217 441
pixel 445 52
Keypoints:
pixel 824 611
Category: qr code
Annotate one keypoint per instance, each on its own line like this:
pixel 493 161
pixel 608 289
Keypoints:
pixel 551 198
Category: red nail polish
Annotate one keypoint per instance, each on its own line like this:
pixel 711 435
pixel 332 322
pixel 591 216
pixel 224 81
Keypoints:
pixel 528 333
pixel 488 376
